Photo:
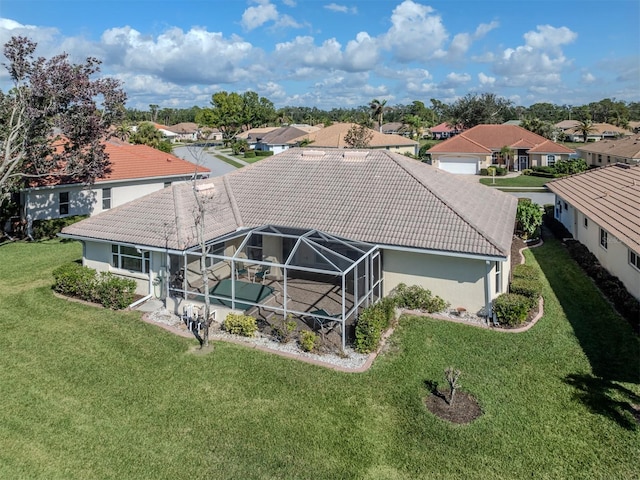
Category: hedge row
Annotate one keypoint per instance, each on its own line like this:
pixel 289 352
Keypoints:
pixel 373 320
pixel 511 308
pixel 44 229
pixel 417 298
pixel 85 283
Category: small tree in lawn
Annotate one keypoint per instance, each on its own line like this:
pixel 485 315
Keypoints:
pixel 452 375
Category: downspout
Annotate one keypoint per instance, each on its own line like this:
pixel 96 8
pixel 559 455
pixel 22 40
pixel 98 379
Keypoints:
pixel 487 291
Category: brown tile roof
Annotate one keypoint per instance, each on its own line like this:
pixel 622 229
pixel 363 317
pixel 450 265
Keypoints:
pixel 253 132
pixel 494 137
pixel 598 128
pixel 627 147
pixel 283 135
pixel 368 195
pixel 333 137
pixel 610 196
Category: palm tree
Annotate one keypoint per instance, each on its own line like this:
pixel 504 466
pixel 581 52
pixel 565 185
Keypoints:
pixel 506 152
pixel 585 127
pixel 378 108
pixel 123 131
pixel 416 125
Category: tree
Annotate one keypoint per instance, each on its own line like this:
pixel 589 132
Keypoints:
pixel 378 108
pixel 528 217
pixel 584 127
pixel 232 113
pixel 358 136
pixel 539 127
pixel 50 122
pixel 452 375
pixel 148 134
pixel 473 110
pixel 416 124
pixel 506 152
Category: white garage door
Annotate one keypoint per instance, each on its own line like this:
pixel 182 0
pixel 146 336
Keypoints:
pixel 459 165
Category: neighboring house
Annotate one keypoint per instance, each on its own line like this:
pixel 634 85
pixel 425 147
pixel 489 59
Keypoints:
pixel 279 140
pixel 135 171
pixel 333 137
pixel 600 131
pixel 185 131
pixel 480 147
pixel 253 134
pixel 607 152
pixel 444 130
pixel 390 128
pixel 634 127
pixel 601 208
pixel 360 221
pixel 166 132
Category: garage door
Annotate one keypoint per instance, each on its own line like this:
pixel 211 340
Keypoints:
pixel 459 165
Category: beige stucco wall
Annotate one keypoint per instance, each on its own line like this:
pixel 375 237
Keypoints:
pixel 412 149
pixel 615 258
pixel 460 281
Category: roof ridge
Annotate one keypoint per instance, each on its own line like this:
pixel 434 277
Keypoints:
pixel 232 200
pixel 482 233
pixel 178 218
pixel 462 135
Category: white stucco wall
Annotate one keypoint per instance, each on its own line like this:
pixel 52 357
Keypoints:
pixel 459 281
pixel 615 258
pixel 44 204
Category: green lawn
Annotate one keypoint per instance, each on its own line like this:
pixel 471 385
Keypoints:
pixel 519 181
pixel 229 161
pixel 90 393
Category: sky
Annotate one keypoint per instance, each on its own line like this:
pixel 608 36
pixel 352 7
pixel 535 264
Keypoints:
pixel 333 54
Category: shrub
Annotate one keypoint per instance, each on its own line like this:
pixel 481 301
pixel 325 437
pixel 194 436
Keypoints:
pixel 372 321
pixel 529 218
pixel 114 292
pixel 249 154
pixel 526 271
pixel 532 289
pixel 74 280
pixel 308 340
pixel 284 330
pixel 511 308
pixel 239 324
pixel 501 171
pixel 484 172
pixel 544 169
pixel 43 229
pixel 527 171
pixel 263 153
pixel 417 298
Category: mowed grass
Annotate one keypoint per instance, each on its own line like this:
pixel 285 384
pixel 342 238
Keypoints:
pixel 519 181
pixel 90 393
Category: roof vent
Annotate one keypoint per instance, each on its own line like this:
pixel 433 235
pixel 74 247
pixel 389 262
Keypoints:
pixel 201 187
pixel 312 153
pixel 354 156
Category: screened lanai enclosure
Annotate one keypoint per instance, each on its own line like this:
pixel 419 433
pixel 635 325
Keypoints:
pixel 278 271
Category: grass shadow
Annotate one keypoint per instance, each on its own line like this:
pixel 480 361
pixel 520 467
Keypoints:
pixel 607 398
pixel 605 337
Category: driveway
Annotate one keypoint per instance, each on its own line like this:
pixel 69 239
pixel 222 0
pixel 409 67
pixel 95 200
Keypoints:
pixel 205 158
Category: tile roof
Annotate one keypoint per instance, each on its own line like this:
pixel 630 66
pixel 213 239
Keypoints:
pixel 494 137
pixel 609 195
pixel 627 147
pixel 131 162
pixel 283 135
pixel 598 128
pixel 444 127
pixel 367 195
pixel 333 137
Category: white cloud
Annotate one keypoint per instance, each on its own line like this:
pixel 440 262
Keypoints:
pixel 210 57
pixel 549 38
pixel 416 33
pixel 486 80
pixel 588 78
pixel 254 17
pixel 458 78
pixel 341 8
pixel 289 3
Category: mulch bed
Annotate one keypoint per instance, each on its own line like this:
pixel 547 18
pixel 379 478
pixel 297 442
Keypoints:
pixel 465 408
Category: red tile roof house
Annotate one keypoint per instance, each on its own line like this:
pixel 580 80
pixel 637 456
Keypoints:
pixel 444 130
pixel 479 147
pixel 349 225
pixel 135 171
pixel 601 209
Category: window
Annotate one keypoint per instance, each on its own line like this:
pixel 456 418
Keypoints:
pixel 604 238
pixel 63 202
pixel 586 222
pixel 551 160
pixel 566 207
pixel 498 277
pixel 599 158
pixel 129 258
pixel 254 247
pixel 106 198
pixel 634 259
